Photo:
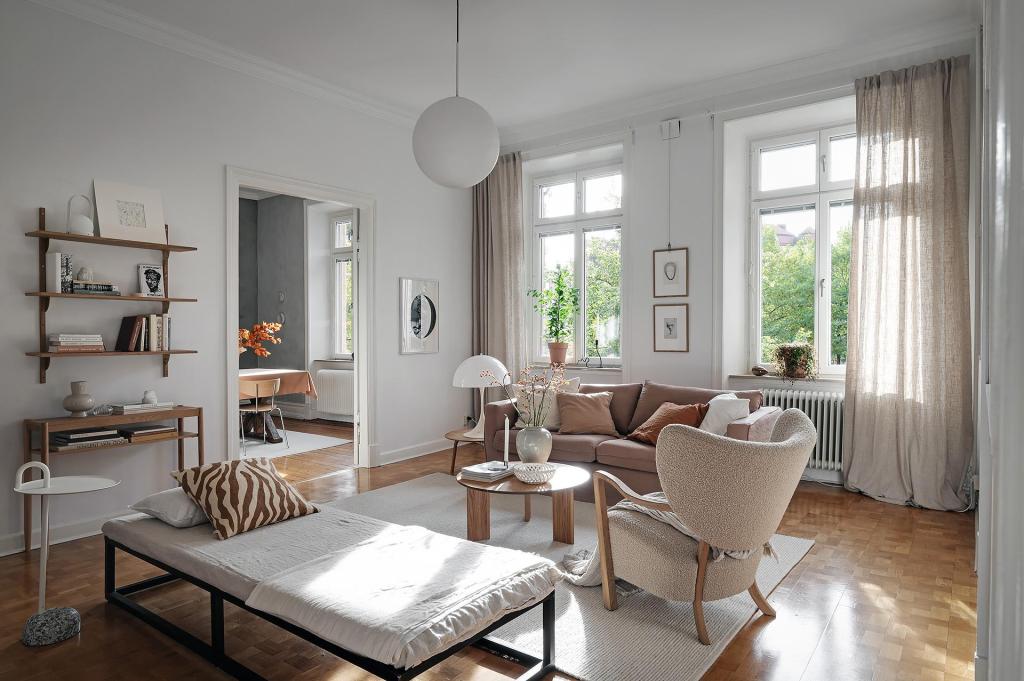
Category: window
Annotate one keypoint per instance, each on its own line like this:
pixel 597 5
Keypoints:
pixel 343 290
pixel 802 216
pixel 578 230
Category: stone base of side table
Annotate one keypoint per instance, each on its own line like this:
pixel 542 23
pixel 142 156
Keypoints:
pixel 50 626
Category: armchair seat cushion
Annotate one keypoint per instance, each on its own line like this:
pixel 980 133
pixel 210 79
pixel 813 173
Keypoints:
pixel 628 454
pixel 663 561
pixel 565 448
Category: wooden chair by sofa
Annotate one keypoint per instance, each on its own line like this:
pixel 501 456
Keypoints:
pixel 263 394
pixel 730 493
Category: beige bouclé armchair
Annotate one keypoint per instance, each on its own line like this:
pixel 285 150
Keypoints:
pixel 730 493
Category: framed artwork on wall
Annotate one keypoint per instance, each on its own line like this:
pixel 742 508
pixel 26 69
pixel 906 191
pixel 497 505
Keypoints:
pixel 671 272
pixel 129 212
pixel 151 280
pixel 672 328
pixel 418 315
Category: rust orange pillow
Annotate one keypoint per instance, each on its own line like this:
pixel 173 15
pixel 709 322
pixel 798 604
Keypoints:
pixel 666 415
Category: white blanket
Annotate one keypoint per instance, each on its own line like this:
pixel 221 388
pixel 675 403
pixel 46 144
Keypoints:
pixel 403 594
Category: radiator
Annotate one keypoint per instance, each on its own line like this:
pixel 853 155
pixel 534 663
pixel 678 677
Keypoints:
pixel 336 391
pixel 826 412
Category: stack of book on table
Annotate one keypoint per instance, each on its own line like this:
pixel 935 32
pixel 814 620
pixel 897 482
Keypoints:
pixel 85 438
pixel 95 288
pixel 75 342
pixel 489 471
pixel 144 333
pixel 145 432
pixel 140 407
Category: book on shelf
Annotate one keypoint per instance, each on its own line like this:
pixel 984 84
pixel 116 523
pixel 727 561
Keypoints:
pixel 74 337
pixel 77 348
pixel 489 471
pixel 86 433
pixel 143 432
pixel 153 437
pixel 121 409
pixel 59 278
pixel 56 447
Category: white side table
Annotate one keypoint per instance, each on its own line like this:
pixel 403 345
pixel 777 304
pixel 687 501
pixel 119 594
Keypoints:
pixel 56 624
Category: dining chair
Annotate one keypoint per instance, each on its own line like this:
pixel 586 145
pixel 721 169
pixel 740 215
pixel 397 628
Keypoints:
pixel 263 395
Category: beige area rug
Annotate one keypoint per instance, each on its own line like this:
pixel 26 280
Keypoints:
pixel 298 443
pixel 646 639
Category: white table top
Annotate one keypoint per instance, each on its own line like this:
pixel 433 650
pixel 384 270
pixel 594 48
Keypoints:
pixel 67 484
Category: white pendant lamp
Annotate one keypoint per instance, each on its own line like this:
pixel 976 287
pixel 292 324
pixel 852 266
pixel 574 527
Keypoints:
pixel 455 141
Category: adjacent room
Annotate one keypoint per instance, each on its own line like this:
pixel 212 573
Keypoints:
pixel 480 341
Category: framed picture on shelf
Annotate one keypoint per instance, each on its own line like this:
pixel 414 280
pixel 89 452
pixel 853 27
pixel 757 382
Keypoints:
pixel 671 272
pixel 418 315
pixel 672 328
pixel 129 212
pixel 151 281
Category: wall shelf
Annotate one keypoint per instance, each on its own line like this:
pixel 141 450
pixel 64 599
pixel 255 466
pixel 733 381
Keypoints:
pixel 44 237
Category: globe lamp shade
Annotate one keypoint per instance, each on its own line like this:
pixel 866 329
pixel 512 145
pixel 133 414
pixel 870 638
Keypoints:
pixel 455 142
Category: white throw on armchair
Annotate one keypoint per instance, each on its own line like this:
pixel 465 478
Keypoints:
pixel 730 493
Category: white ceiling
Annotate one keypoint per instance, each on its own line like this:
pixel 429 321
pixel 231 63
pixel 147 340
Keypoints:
pixel 530 60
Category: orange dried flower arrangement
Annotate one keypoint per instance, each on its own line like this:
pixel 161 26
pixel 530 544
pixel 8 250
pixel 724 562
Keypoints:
pixel 254 338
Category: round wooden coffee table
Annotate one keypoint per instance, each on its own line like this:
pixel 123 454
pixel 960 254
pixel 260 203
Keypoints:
pixel 560 488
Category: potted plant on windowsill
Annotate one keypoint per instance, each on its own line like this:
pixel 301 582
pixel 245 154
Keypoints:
pixel 558 304
pixel 795 360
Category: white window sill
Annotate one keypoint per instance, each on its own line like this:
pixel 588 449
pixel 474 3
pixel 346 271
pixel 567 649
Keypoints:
pixel 578 367
pixel 831 381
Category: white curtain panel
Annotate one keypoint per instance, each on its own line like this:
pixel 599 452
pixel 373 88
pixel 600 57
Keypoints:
pixel 909 430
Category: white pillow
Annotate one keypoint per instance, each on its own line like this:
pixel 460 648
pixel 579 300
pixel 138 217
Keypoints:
pixel 554 419
pixel 723 410
pixel 173 507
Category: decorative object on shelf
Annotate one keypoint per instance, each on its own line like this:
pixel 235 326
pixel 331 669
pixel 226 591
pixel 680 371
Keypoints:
pixel 558 303
pixel 418 315
pixel 758 370
pixel 795 360
pixel 59 276
pixel 672 328
pixel 53 625
pixel 129 212
pixel 671 272
pixel 82 222
pixel 149 397
pixel 151 280
pixel 534 473
pixel 478 372
pixel 85 275
pixel 455 141
pixel 79 402
pixel 254 338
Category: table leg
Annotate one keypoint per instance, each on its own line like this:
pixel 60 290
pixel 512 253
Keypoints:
pixel 199 440
pixel 526 508
pixel 478 515
pixel 44 546
pixel 27 502
pixel 181 445
pixel 562 522
pixel 455 449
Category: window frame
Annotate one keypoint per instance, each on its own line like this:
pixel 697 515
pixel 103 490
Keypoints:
pixel 338 255
pixel 578 224
pixel 821 195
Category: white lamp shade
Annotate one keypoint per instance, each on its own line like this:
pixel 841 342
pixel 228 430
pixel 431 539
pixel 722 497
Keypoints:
pixel 455 142
pixel 468 373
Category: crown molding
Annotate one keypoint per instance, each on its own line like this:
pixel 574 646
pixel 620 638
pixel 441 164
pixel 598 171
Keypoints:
pixel 733 90
pixel 186 42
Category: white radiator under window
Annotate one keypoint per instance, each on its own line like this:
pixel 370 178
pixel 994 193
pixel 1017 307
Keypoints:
pixel 336 391
pixel 826 412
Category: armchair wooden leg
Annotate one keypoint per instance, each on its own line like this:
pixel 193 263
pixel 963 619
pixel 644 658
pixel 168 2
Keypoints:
pixel 698 593
pixel 760 600
pixel 604 545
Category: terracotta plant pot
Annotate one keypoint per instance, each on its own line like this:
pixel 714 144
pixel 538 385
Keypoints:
pixel 557 352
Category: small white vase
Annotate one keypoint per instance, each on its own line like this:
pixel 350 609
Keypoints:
pixel 533 444
pixel 79 402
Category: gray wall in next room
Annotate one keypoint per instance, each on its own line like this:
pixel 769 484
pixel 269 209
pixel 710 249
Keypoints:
pixel 248 272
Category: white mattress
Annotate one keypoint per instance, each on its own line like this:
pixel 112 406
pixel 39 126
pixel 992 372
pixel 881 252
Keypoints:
pixel 392 593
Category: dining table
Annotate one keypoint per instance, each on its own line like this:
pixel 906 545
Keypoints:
pixel 293 382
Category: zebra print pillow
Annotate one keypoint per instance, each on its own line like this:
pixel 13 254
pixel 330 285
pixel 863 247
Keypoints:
pixel 238 496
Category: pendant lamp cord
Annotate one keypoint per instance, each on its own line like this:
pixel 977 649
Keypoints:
pixel 457 17
pixel 670 194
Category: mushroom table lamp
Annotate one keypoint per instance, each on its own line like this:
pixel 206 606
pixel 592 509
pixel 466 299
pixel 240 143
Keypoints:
pixel 468 375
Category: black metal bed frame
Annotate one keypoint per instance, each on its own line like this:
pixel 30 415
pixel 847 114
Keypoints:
pixel 215 653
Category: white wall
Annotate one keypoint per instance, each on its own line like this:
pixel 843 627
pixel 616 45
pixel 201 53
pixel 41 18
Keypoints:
pixel 77 102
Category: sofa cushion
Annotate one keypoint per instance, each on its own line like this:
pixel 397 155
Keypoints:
pixel 590 413
pixel 629 454
pixel 654 395
pixel 624 399
pixel 553 420
pixel 565 448
pixel 666 415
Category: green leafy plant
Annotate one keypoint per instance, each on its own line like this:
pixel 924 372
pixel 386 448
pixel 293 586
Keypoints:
pixel 795 360
pixel 558 304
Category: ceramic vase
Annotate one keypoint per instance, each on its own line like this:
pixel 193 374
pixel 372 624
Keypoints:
pixel 557 352
pixel 533 444
pixel 79 402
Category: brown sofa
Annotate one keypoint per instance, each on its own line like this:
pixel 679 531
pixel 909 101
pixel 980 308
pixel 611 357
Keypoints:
pixel 632 404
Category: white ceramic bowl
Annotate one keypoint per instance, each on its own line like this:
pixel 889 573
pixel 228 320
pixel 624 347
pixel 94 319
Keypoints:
pixel 534 473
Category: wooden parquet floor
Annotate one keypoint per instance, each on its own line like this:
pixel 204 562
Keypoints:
pixel 886 594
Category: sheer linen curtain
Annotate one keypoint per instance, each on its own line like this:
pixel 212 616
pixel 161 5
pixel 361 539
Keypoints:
pixel 499 325
pixel 909 428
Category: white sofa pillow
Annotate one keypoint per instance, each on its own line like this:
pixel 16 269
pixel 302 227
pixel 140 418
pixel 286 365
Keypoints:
pixel 173 507
pixel 554 419
pixel 723 410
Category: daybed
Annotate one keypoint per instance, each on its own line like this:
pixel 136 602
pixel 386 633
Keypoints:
pixel 393 600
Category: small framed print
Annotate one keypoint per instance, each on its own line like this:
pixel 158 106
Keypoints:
pixel 129 212
pixel 418 315
pixel 672 328
pixel 151 281
pixel 671 272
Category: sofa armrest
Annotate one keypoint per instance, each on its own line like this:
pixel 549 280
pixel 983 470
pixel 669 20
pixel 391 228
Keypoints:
pixel 494 422
pixel 757 427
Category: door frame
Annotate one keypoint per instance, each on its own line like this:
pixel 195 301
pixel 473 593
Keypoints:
pixel 235 178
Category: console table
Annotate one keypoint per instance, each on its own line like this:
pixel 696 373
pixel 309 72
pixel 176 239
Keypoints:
pixel 47 426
